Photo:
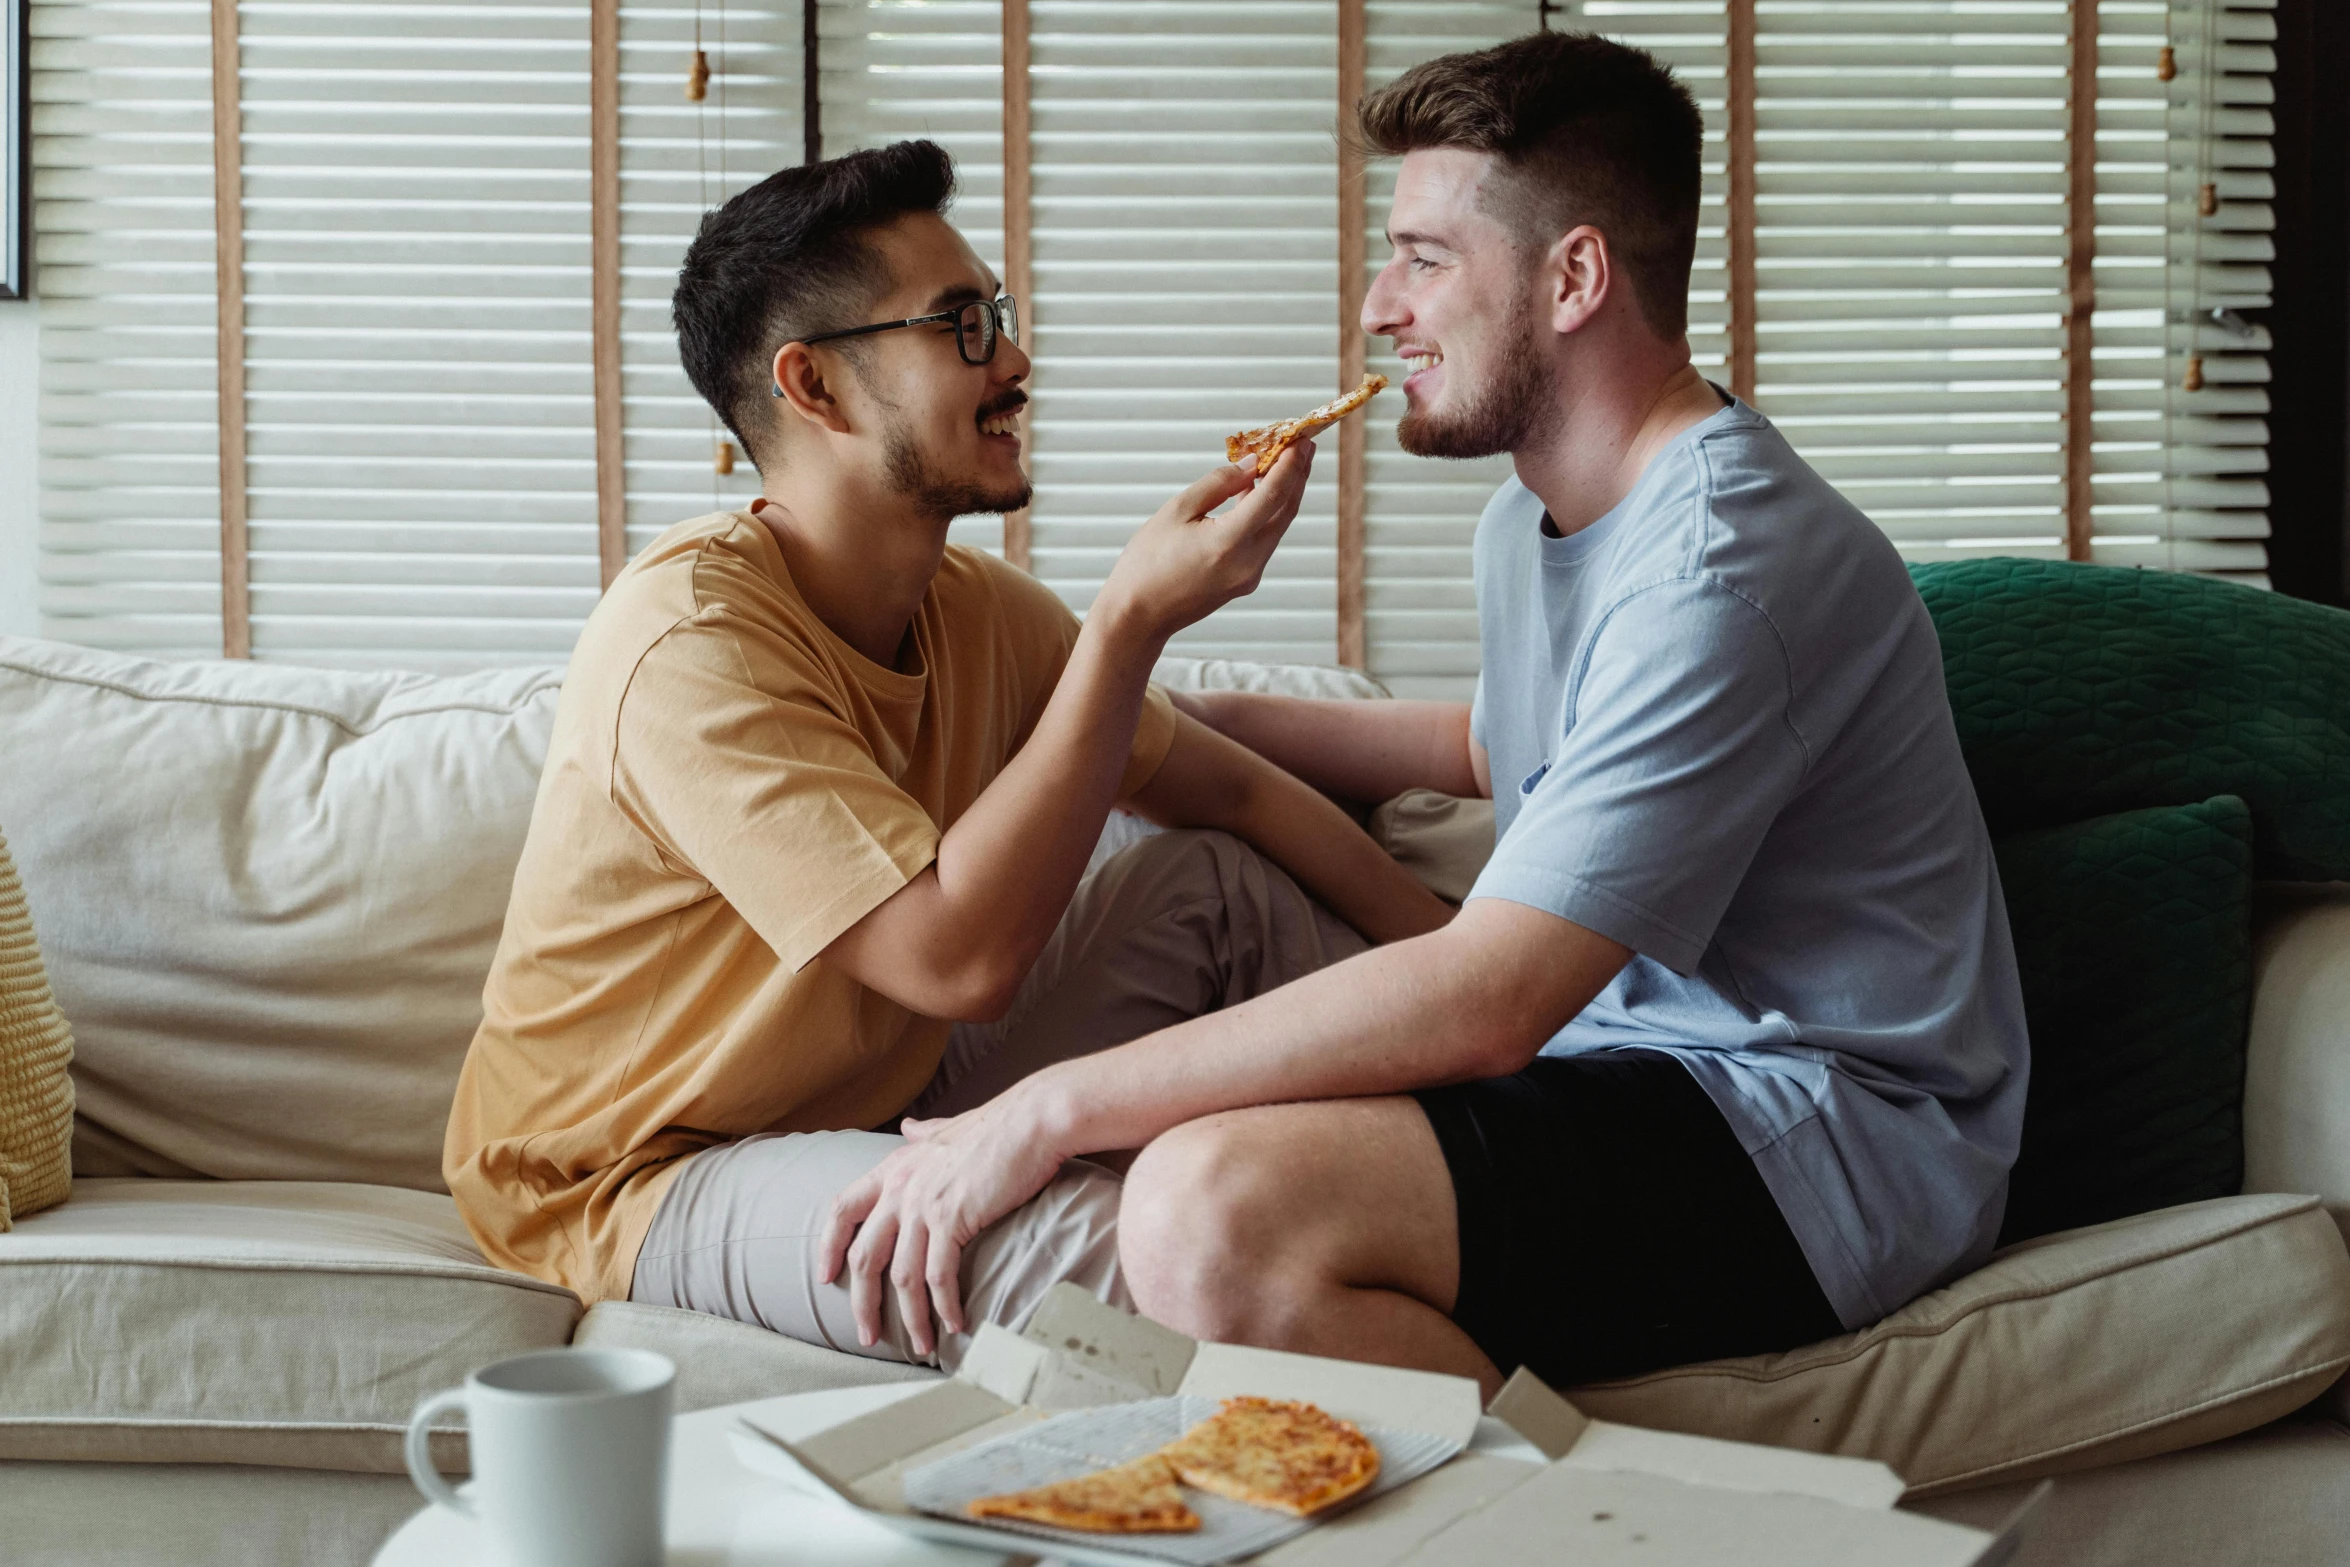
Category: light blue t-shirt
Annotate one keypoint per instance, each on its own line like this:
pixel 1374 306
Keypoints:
pixel 1719 736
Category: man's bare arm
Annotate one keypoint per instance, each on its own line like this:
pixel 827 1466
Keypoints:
pixel 956 941
pixel 1209 781
pixel 1361 751
pixel 1476 999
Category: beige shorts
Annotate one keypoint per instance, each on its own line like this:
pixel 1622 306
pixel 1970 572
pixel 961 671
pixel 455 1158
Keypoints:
pixel 1180 924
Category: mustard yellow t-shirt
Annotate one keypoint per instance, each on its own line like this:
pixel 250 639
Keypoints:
pixel 729 787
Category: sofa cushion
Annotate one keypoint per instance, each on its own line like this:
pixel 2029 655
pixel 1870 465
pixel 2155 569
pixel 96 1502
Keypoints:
pixel 2085 1348
pixel 36 1090
pixel 270 896
pixel 287 1323
pixel 2133 935
pixel 721 1361
pixel 2081 690
pixel 268 899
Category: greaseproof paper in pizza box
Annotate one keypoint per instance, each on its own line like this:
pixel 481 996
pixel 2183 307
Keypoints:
pixel 1544 1483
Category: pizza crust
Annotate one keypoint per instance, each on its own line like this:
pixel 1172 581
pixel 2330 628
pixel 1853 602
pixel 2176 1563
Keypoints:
pixel 1135 1498
pixel 1269 443
pixel 1290 1457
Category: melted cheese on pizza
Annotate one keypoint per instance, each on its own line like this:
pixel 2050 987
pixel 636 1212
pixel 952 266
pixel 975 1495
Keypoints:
pixel 1135 1498
pixel 1290 1457
pixel 1270 442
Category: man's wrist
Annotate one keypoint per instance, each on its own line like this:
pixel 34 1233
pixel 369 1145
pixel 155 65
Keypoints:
pixel 1047 1114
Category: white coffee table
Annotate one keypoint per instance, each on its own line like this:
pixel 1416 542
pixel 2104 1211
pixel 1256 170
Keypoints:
pixel 722 1515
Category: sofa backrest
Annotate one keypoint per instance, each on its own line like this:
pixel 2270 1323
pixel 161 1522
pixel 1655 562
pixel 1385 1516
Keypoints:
pixel 269 896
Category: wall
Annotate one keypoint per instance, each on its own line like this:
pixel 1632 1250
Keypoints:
pixel 20 384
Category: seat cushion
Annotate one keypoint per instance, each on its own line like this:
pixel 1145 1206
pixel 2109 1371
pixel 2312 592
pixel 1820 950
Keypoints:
pixel 2133 935
pixel 36 1090
pixel 721 1361
pixel 249 1322
pixel 2084 1348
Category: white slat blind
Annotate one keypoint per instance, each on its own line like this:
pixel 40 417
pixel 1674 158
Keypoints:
pixel 2178 472
pixel 1911 262
pixel 1421 513
pixel 678 158
pixel 122 219
pixel 416 220
pixel 421 445
pixel 1186 223
pixel 421 441
pixel 1911 257
pixel 894 69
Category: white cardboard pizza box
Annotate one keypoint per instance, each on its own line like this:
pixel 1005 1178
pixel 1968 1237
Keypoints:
pixel 1607 1494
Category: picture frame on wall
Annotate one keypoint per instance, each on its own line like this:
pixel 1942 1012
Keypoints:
pixel 16 156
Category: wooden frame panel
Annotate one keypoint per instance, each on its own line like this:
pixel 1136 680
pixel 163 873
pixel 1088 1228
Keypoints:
pixel 1741 219
pixel 2080 278
pixel 1019 242
pixel 811 87
pixel 1353 635
pixel 604 287
pixel 228 226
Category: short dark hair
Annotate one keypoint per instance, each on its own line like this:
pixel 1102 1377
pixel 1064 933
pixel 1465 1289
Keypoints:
pixel 1587 131
pixel 789 257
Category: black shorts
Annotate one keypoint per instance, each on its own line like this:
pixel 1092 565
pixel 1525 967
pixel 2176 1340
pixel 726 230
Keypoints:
pixel 1610 1224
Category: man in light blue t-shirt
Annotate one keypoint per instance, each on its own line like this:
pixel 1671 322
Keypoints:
pixel 1724 1053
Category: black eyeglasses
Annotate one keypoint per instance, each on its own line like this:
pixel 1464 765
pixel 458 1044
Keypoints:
pixel 977 325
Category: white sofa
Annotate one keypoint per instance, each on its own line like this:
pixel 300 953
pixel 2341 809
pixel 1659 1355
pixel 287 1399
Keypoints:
pixel 268 898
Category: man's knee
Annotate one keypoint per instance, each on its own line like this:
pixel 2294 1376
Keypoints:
pixel 1201 1232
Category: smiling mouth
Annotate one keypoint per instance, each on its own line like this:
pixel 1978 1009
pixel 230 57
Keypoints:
pixel 1425 361
pixel 1005 423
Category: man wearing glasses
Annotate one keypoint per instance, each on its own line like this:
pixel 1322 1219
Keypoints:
pixel 810 851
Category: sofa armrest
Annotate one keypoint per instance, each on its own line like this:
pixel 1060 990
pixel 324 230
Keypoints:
pixel 2297 1060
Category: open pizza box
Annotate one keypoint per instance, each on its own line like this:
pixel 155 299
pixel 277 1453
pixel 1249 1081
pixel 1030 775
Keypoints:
pixel 1604 1494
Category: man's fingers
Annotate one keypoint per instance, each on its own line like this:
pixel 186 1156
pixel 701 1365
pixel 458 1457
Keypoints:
pixel 869 1261
pixel 943 1275
pixel 1215 487
pixel 849 1209
pixel 1277 495
pixel 905 1279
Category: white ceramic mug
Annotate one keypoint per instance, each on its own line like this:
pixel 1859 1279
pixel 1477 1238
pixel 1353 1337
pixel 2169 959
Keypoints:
pixel 570 1455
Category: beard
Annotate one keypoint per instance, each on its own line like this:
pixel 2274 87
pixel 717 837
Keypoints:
pixel 935 493
pixel 1498 413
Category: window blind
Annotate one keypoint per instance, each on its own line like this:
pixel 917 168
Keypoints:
pixel 894 69
pixel 1911 232
pixel 420 439
pixel 2183 225
pixel 1420 513
pixel 1186 219
pixel 678 158
pixel 122 223
pixel 1890 282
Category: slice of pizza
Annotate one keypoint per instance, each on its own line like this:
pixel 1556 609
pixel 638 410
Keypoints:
pixel 1274 439
pixel 1135 1498
pixel 1292 1458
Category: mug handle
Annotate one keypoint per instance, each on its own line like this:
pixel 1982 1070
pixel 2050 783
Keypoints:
pixel 420 1469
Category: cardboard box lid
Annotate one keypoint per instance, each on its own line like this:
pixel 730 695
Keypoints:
pixel 1609 1494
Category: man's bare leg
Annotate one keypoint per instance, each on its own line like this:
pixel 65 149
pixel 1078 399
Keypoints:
pixel 1327 1228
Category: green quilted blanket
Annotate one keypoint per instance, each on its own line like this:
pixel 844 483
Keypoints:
pixel 2085 690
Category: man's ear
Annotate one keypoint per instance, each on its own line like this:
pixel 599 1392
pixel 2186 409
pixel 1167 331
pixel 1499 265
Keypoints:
pixel 1578 275
pixel 802 390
